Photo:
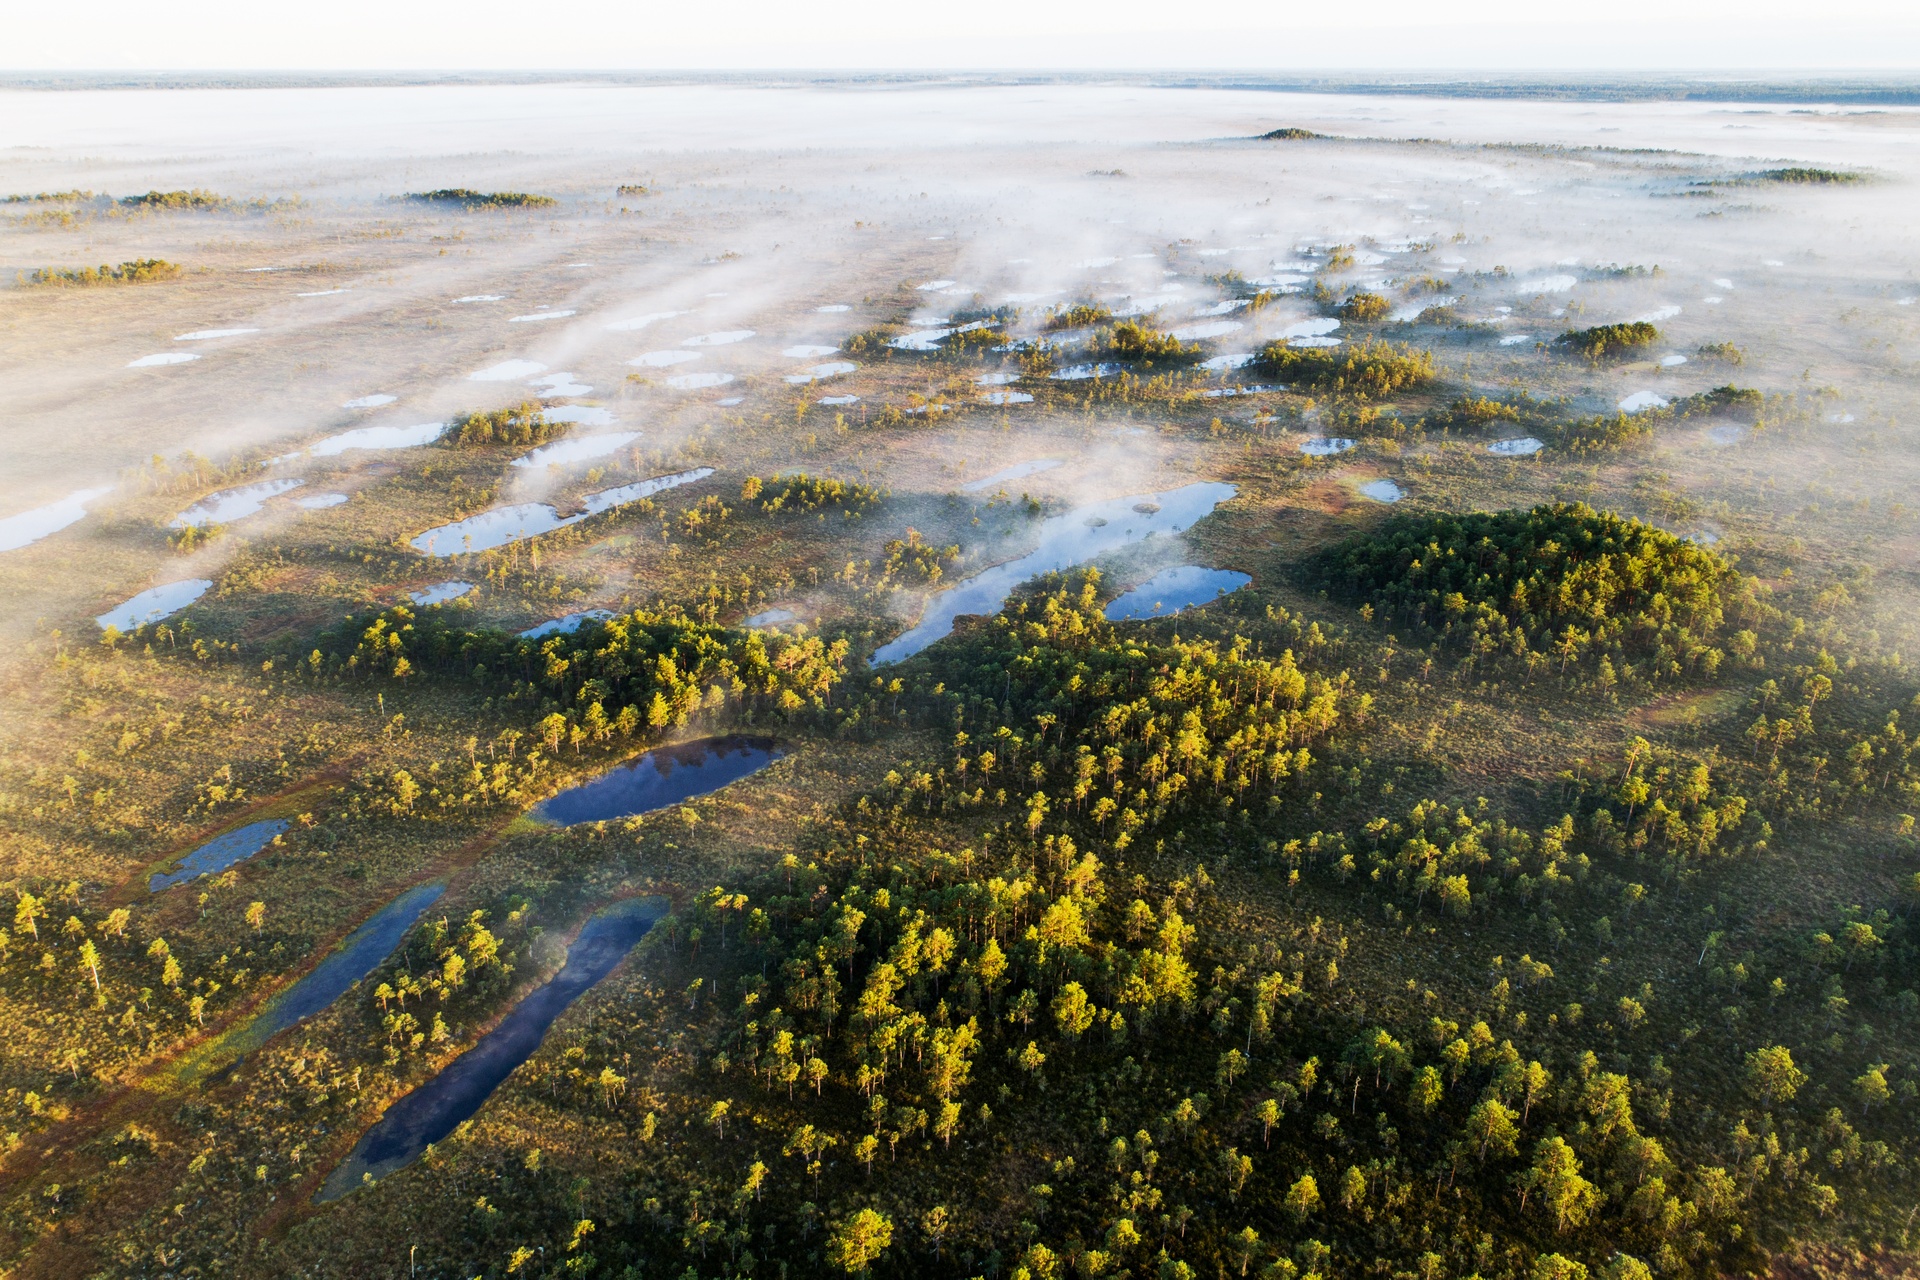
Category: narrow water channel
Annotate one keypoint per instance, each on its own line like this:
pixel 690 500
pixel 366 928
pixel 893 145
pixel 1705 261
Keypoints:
pixel 357 956
pixel 450 1099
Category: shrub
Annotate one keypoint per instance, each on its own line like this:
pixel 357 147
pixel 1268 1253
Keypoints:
pixel 1445 316
pixel 1607 433
pixel 1723 399
pixel 1367 371
pixel 1725 352
pixel 1607 340
pixel 872 342
pixel 1474 412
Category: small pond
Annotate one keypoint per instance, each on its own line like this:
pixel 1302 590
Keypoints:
pixel 30 526
pixel 1184 586
pixel 1018 471
pixel 664 776
pixel 579 449
pixel 371 438
pixel 219 853
pixel 1325 446
pixel 498 527
pixel 1521 447
pixel 1076 537
pixel 434 1110
pixel 231 504
pixel 154 604
pixel 565 626
pixel 439 593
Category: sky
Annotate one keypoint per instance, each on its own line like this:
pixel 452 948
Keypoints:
pixel 1270 35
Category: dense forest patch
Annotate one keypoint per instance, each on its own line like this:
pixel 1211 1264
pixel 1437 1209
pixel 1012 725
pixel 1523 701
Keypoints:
pixel 1606 341
pixel 1131 340
pixel 1368 370
pixel 519 424
pixel 1362 307
pixel 1556 584
pixel 1058 997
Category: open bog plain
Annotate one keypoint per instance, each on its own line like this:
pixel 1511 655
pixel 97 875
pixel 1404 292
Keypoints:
pixel 923 677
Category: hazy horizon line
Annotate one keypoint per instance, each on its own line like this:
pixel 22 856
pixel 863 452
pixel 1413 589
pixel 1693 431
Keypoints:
pixel 1757 84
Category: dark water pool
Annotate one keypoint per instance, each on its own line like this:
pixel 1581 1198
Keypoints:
pixel 444 1103
pixel 662 777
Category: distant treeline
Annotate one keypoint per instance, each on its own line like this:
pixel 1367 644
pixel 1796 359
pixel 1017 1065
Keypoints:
pixel 48 197
pixel 1808 176
pixel 139 271
pixel 482 199
pixel 196 199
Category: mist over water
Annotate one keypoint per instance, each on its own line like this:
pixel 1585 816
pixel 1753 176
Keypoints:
pixel 768 210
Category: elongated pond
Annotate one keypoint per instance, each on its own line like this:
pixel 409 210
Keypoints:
pixel 441 1105
pixel 664 776
pixel 1083 534
pixel 219 853
pixel 498 527
pixel 352 960
pixel 154 604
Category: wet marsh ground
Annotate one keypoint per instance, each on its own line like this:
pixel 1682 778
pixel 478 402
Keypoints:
pixel 114 760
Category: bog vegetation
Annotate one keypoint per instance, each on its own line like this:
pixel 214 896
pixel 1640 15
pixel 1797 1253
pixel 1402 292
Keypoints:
pixel 1368 370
